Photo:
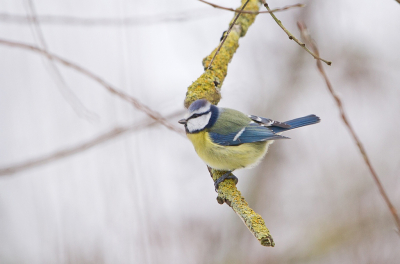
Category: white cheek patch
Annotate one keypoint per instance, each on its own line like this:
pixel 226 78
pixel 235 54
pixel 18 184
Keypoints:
pixel 198 123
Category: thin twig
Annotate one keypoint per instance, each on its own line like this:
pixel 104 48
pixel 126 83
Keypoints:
pixel 127 21
pixel 252 12
pixel 54 72
pixel 60 154
pixel 307 38
pixel 290 35
pixel 226 34
pixel 136 103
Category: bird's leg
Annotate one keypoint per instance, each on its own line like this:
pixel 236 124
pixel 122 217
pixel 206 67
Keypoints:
pixel 227 175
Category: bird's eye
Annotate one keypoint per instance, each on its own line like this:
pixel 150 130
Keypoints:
pixel 195 115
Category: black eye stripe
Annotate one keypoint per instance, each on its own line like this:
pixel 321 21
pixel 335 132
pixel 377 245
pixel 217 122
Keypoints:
pixel 197 115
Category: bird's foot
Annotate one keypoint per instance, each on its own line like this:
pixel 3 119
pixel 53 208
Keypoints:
pixel 227 175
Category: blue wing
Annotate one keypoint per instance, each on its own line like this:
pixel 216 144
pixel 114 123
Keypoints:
pixel 298 122
pixel 251 133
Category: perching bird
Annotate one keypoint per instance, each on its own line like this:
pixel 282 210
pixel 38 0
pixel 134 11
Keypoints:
pixel 226 139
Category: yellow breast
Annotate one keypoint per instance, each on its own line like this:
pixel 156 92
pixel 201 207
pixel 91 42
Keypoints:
pixel 227 157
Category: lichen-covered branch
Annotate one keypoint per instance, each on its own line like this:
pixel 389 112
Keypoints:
pixel 226 34
pixel 208 86
pixel 229 194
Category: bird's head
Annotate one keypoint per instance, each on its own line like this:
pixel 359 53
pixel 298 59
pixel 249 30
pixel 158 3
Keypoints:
pixel 199 116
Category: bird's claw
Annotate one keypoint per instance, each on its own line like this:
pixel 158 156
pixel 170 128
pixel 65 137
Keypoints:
pixel 227 175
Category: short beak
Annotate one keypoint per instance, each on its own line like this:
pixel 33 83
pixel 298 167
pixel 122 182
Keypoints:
pixel 182 121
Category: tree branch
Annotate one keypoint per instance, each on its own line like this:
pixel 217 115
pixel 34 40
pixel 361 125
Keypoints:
pixel 52 69
pixel 307 38
pixel 224 37
pixel 133 101
pixel 253 12
pixel 229 194
pixel 126 21
pixel 60 154
pixel 208 86
pixel 293 37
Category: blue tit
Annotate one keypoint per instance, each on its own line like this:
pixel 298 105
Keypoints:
pixel 226 139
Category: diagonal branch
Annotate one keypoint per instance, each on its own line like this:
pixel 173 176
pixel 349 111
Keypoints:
pixel 307 38
pixel 135 102
pixel 253 12
pixel 60 154
pixel 226 35
pixel 208 86
pixel 290 35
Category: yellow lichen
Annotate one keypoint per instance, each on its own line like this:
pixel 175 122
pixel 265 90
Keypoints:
pixel 208 85
pixel 245 20
pixel 229 194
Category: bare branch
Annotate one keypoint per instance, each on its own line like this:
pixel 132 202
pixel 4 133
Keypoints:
pixel 54 72
pixel 128 21
pixel 60 154
pixel 293 37
pixel 226 35
pixel 253 12
pixel 137 104
pixel 307 38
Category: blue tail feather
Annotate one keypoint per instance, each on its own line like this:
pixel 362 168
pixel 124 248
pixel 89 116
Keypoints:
pixel 298 122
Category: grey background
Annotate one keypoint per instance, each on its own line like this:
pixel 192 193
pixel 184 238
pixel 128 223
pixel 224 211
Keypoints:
pixel 146 197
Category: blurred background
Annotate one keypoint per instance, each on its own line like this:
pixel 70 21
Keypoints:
pixel 142 195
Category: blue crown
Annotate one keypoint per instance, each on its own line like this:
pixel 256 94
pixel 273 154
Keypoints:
pixel 198 104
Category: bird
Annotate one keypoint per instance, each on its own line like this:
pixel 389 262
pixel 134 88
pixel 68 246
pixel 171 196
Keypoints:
pixel 227 139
